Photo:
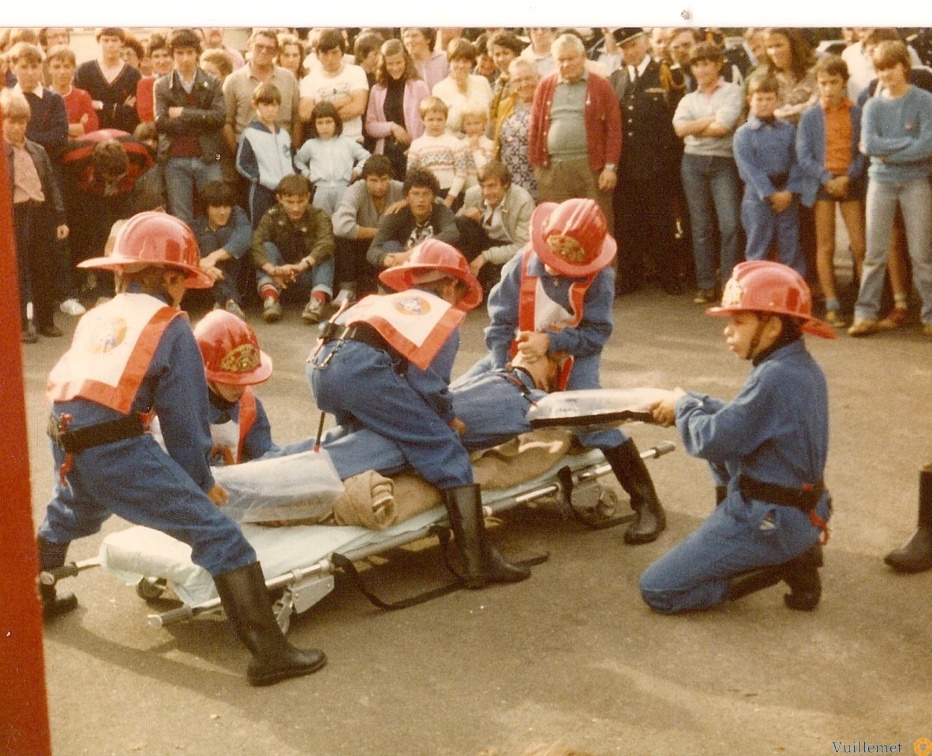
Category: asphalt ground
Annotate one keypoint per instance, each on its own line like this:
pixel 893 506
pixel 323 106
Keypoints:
pixel 572 656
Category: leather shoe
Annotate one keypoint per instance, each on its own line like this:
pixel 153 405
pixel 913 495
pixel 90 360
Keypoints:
pixel 51 331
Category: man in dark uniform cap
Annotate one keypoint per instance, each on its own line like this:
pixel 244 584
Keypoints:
pixel 647 173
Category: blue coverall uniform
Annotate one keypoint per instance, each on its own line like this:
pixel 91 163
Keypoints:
pixel 765 154
pixel 492 406
pixel 584 341
pixel 774 431
pixel 368 387
pixel 136 479
pixel 258 441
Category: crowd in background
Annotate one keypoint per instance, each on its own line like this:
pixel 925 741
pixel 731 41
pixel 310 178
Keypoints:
pixel 312 158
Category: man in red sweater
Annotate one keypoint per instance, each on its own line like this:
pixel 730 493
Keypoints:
pixel 574 140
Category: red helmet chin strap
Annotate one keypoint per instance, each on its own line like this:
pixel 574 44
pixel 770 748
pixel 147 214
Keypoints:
pixel 762 320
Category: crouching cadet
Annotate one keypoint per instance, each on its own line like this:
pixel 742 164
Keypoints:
pixel 385 366
pixel 233 364
pixel 767 450
pixel 133 357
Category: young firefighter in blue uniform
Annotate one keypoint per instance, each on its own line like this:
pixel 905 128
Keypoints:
pixel 765 153
pixel 766 449
pixel 388 370
pixel 555 299
pixel 492 405
pixel 131 358
pixel 233 364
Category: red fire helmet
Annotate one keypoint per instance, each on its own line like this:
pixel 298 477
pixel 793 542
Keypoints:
pixel 153 238
pixel 434 257
pixel 572 237
pixel 771 287
pixel 231 351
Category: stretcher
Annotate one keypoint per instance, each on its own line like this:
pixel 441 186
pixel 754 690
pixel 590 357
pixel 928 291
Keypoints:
pixel 300 561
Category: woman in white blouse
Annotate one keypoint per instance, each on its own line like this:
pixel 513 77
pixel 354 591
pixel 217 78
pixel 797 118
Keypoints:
pixel 461 86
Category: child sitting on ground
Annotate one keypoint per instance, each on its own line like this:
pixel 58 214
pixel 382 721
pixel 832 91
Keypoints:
pixel 293 245
pixel 223 237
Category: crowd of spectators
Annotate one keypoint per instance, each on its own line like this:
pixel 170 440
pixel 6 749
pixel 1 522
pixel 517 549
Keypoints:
pixel 700 151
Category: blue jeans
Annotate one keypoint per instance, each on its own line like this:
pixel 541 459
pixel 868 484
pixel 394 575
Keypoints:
pixel 713 193
pixel 182 176
pixel 318 278
pixel 915 199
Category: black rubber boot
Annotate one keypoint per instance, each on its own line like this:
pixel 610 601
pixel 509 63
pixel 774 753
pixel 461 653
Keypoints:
pixel 753 581
pixel 483 563
pixel 802 576
pixel 55 602
pixel 916 554
pixel 249 610
pixel 631 472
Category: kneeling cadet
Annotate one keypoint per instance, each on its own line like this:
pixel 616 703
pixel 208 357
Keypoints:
pixel 385 366
pixel 766 449
pixel 134 357
pixel 554 301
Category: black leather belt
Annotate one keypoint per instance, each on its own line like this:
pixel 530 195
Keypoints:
pixel 76 441
pixel 804 498
pixel 364 333
pixel 367 335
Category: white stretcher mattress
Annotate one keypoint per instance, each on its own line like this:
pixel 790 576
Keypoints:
pixel 139 552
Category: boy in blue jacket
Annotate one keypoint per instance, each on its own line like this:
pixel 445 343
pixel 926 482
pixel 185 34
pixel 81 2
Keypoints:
pixel 765 152
pixel 766 450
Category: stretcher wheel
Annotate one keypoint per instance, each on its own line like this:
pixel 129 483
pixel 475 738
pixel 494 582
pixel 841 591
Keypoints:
pixel 150 589
pixel 607 505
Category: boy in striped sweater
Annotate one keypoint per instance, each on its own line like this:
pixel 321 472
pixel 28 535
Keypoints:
pixel 440 152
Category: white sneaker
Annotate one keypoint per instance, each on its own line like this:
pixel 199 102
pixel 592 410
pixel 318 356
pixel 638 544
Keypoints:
pixel 271 310
pixel 72 307
pixel 235 309
pixel 313 311
pixel 345 295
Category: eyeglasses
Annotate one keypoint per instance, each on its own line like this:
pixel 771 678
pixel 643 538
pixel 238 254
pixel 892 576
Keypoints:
pixel 265 48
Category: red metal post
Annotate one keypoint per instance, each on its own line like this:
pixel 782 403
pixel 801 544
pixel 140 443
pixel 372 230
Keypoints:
pixel 24 718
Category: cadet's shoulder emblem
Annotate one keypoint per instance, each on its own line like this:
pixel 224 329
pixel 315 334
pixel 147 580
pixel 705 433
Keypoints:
pixel 412 305
pixel 110 335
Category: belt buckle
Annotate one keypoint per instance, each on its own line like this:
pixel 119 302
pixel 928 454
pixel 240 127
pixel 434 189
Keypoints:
pixel 52 430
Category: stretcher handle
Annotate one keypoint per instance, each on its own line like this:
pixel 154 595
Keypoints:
pixel 664 447
pixel 186 612
pixel 71 569
pixel 176 615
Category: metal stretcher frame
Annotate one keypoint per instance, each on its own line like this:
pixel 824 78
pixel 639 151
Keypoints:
pixel 572 483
